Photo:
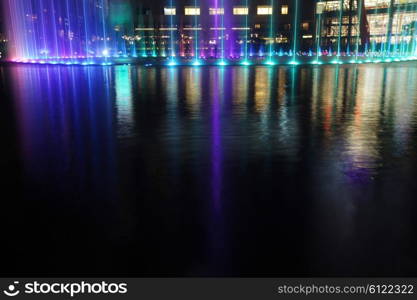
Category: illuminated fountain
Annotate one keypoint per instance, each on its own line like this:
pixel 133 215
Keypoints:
pixel 106 32
pixel 69 32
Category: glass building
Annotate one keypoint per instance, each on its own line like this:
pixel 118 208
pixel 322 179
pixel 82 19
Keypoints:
pixel 376 25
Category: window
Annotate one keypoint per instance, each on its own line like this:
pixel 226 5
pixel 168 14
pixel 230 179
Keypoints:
pixel 257 26
pixel 240 10
pixel 377 3
pixel 264 10
pixel 216 11
pixel 320 7
pixel 284 10
pixel 170 11
pixel 192 11
pixel 305 26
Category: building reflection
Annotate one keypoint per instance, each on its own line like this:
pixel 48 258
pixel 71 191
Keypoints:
pixel 262 90
pixel 240 84
pixel 193 89
pixel 203 160
pixel 355 104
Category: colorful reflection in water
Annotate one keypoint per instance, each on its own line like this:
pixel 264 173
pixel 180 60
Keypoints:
pixel 218 171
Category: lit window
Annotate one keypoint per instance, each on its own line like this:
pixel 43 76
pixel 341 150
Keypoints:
pixel 305 26
pixel 240 10
pixel 258 26
pixel 376 4
pixel 192 11
pixel 284 10
pixel 216 11
pixel 320 7
pixel 264 10
pixel 170 11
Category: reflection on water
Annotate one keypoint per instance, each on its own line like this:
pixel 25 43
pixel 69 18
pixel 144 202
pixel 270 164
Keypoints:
pixel 124 99
pixel 215 171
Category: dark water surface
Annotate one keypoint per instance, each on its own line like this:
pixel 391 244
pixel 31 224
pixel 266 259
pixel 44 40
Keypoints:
pixel 307 171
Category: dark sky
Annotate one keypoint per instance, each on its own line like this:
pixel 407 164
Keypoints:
pixel 1 16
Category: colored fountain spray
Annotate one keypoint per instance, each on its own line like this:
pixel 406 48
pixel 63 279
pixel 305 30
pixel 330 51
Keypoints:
pixel 58 31
pixel 105 51
pixel 247 31
pixel 319 12
pixel 271 34
pixel 100 32
pixel 406 37
pixel 360 3
pixel 296 26
pixel 223 36
pixel 339 35
pixel 413 30
pixel 373 43
pixel 386 46
pixel 86 31
pixel 196 41
pixel 172 11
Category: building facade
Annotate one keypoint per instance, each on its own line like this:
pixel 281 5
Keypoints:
pixel 235 27
pixel 374 24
